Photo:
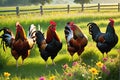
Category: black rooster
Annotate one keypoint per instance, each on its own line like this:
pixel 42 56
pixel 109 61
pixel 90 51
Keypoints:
pixel 47 50
pixel 105 41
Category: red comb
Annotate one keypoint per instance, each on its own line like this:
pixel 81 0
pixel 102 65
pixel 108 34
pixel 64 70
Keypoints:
pixel 111 20
pixel 71 23
pixel 53 23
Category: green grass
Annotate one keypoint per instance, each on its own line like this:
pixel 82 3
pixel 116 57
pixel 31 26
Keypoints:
pixel 34 65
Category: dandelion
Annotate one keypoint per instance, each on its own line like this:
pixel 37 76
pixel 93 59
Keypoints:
pixel 6 75
pixel 99 64
pixel 52 78
pixel 42 78
pixel 65 66
pixel 93 71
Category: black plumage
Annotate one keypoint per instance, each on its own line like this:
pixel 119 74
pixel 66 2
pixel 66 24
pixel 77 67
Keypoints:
pixel 47 50
pixel 104 41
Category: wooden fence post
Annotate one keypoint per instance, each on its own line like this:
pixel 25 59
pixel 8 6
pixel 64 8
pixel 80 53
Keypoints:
pixel 17 11
pixel 41 10
pixel 68 8
pixel 98 7
pixel 82 5
pixel 118 7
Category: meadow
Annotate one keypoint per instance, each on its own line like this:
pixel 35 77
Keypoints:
pixel 34 65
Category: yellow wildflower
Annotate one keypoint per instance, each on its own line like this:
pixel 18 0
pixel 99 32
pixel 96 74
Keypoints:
pixel 6 74
pixel 52 78
pixel 99 64
pixel 93 71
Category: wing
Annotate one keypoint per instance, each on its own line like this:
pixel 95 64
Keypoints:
pixel 54 46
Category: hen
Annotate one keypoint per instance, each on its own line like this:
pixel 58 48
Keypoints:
pixel 50 46
pixel 76 40
pixel 20 44
pixel 104 41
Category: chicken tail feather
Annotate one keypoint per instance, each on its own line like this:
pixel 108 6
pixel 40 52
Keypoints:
pixel 32 32
pixel 6 38
pixel 93 27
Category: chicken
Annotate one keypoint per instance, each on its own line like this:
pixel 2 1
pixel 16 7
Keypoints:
pixel 104 41
pixel 20 44
pixel 76 40
pixel 50 46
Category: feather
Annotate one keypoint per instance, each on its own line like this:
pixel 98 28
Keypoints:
pixel 31 32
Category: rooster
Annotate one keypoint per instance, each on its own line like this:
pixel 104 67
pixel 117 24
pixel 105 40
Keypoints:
pixel 20 44
pixel 76 40
pixel 104 41
pixel 50 46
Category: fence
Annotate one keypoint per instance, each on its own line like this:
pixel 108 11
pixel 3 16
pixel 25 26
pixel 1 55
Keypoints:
pixel 98 7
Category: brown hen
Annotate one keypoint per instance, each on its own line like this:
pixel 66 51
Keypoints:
pixel 76 40
pixel 20 44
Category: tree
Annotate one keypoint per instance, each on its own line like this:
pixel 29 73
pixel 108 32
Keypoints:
pixel 82 1
pixel 2 2
pixel 22 2
pixel 40 1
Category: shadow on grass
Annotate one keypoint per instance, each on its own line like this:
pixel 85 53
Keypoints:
pixel 35 70
pixel 91 57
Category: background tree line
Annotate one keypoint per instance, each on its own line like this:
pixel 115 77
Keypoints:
pixel 22 2
pixel 35 2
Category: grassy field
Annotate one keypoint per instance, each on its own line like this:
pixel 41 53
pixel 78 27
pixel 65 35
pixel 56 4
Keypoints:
pixel 34 65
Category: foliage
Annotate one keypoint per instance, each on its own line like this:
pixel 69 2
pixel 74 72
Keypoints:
pixel 3 60
pixel 102 70
pixel 114 67
pixel 22 2
pixel 40 1
pixel 82 1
